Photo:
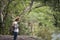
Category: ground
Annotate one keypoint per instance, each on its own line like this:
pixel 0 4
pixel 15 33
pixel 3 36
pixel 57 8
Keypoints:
pixel 24 37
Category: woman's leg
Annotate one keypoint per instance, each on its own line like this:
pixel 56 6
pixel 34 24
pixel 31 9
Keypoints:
pixel 15 35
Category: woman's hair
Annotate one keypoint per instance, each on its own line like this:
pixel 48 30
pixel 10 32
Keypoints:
pixel 17 19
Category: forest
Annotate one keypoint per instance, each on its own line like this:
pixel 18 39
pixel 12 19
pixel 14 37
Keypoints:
pixel 39 18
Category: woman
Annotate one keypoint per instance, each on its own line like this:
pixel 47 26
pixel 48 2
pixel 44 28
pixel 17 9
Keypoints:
pixel 15 28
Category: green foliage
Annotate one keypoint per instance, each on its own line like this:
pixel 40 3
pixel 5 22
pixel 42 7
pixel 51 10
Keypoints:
pixel 45 33
pixel 7 25
pixel 23 29
pixel 42 21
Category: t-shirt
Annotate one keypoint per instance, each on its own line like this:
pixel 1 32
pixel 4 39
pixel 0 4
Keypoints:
pixel 15 24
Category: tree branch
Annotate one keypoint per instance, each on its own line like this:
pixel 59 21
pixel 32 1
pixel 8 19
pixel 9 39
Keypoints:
pixel 27 9
pixel 7 6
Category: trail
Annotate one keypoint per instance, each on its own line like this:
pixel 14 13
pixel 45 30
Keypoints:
pixel 24 37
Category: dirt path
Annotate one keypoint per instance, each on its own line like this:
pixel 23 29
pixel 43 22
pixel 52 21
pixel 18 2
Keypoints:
pixel 9 37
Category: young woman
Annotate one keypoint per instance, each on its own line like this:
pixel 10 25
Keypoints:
pixel 15 28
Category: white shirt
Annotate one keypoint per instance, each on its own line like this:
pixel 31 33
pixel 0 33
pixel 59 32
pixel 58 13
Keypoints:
pixel 16 29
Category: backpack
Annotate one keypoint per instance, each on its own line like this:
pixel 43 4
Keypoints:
pixel 11 29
